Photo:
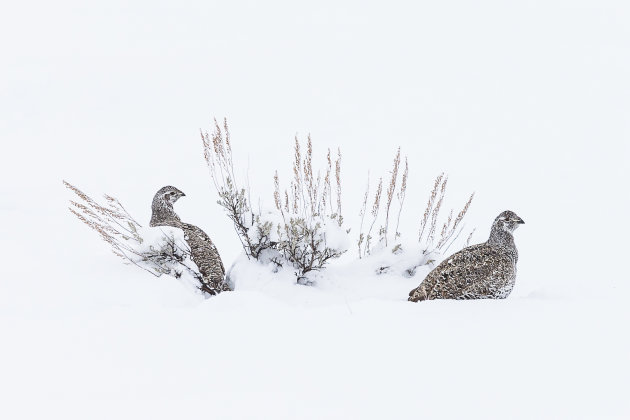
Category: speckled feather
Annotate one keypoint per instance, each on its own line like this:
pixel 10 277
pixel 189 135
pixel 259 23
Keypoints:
pixel 483 271
pixel 205 255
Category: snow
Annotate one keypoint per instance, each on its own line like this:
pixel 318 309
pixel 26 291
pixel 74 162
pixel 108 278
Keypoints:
pixel 525 104
pixel 249 355
pixel 171 240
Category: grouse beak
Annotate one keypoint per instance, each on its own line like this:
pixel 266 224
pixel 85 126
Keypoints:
pixel 520 221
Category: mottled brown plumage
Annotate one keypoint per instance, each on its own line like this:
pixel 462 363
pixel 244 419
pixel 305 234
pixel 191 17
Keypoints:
pixel 202 251
pixel 483 271
pixel 205 255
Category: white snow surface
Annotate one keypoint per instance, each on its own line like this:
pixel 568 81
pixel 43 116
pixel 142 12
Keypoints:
pixel 525 103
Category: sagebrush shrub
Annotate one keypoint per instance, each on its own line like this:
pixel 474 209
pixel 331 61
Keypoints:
pixel 297 234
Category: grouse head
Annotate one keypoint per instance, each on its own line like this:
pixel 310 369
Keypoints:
pixel 507 221
pixel 170 194
pixel 162 213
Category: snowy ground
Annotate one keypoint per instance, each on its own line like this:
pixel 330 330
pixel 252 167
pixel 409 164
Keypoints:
pixel 527 105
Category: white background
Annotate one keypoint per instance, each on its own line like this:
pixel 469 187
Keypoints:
pixel 525 103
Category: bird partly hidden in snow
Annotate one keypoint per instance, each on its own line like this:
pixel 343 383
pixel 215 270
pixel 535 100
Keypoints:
pixel 203 252
pixel 483 271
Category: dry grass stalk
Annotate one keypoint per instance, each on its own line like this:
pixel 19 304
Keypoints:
pixel 298 187
pixel 318 185
pixel 311 196
pixel 308 176
pixel 401 196
pixel 362 214
pixel 113 222
pixel 445 227
pixel 436 212
pixel 217 151
pixel 276 192
pixel 326 193
pixel 294 197
pixel 469 238
pixel 451 227
pixel 390 192
pixel 429 208
pixel 338 179
pixel 446 236
pixel 375 209
pixel 452 241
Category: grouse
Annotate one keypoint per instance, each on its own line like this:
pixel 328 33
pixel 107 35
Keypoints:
pixel 203 252
pixel 483 271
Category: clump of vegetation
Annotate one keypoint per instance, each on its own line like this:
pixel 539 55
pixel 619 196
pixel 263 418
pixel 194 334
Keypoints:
pixel 305 228
pixel 451 228
pixel 431 241
pixel 308 211
pixel 163 255
pixel 254 234
pixel 365 241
